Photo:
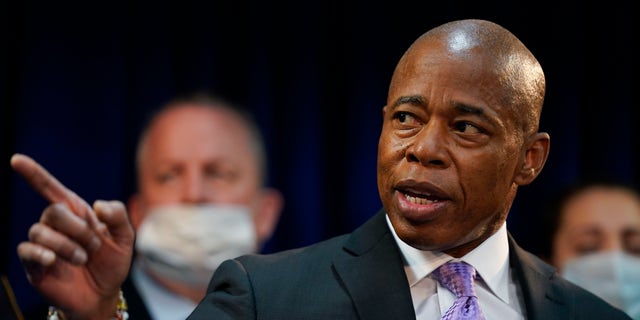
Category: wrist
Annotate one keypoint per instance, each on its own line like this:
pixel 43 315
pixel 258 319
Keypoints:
pixel 120 312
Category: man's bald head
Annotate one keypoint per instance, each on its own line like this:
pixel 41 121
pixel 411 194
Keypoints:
pixel 472 41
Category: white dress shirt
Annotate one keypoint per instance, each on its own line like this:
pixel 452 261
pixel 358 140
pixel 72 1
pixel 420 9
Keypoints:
pixel 499 294
pixel 161 303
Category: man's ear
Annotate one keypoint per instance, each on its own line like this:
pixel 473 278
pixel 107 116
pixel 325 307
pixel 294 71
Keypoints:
pixel 267 217
pixel 535 157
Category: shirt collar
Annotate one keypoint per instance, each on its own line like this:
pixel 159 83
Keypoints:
pixel 490 259
pixel 160 302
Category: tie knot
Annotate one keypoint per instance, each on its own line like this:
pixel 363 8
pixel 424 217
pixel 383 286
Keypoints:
pixel 457 277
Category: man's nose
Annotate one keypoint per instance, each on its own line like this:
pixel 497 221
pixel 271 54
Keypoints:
pixel 195 189
pixel 429 146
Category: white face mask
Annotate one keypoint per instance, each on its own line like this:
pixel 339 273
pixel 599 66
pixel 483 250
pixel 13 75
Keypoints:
pixel 187 243
pixel 614 276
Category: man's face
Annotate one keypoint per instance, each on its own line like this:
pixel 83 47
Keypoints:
pixel 198 155
pixel 599 219
pixel 447 153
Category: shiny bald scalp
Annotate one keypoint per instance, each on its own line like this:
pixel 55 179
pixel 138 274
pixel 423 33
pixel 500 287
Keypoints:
pixel 515 68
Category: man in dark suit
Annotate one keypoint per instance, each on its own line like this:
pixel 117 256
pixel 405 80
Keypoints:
pixel 460 135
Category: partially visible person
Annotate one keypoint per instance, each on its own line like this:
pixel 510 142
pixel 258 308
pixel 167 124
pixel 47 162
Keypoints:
pixel 594 234
pixel 201 198
pixel 460 134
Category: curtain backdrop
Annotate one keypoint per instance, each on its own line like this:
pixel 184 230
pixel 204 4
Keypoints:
pixel 80 77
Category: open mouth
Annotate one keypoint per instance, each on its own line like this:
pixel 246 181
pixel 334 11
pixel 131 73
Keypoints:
pixel 421 198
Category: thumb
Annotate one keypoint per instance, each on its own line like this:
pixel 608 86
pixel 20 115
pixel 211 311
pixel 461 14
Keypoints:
pixel 114 215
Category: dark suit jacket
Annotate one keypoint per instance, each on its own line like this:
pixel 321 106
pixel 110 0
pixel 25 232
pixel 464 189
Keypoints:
pixel 361 276
pixel 137 309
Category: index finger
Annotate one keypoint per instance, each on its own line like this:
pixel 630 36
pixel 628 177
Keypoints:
pixel 49 187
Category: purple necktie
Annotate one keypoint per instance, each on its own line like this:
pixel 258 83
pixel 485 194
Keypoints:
pixel 458 278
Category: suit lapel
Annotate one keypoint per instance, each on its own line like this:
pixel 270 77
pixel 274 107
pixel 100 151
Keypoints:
pixel 373 274
pixel 542 297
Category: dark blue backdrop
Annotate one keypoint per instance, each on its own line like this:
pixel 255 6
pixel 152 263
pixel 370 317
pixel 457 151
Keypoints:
pixel 79 78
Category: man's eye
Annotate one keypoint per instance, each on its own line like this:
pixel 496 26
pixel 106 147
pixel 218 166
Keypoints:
pixel 466 127
pixel 220 174
pixel 587 247
pixel 631 239
pixel 166 177
pixel 405 118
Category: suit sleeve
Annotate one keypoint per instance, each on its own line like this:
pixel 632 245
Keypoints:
pixel 229 295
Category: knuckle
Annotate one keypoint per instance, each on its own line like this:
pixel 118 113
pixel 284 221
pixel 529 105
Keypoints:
pixel 36 232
